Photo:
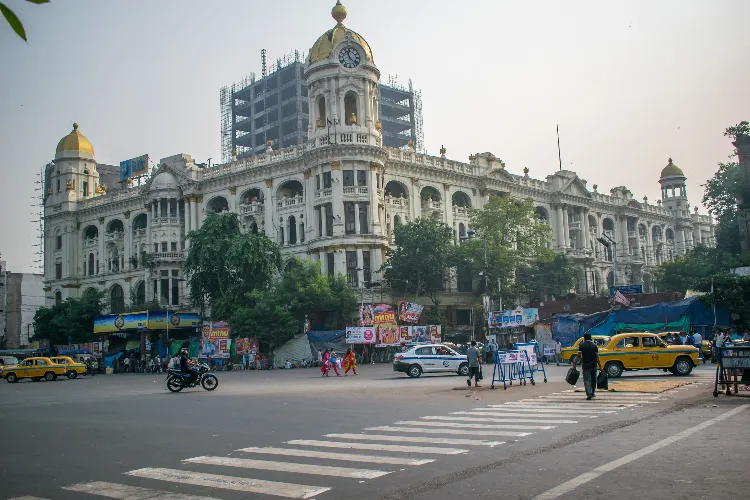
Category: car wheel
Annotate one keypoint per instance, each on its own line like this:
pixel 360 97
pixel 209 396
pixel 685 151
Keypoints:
pixel 463 370
pixel 11 378
pixel 414 371
pixel 72 374
pixel 682 367
pixel 614 369
pixel 50 376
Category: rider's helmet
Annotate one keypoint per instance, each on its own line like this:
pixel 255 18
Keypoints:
pixel 184 352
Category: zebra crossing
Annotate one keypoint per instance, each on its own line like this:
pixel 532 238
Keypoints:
pixel 377 452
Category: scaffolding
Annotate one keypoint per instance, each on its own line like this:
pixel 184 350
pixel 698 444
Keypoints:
pixel 401 114
pixel 227 103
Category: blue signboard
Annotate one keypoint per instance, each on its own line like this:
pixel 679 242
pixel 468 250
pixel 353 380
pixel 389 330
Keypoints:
pixel 625 289
pixel 133 168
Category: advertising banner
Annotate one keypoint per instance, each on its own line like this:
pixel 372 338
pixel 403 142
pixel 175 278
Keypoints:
pixel 110 323
pixel 405 334
pixel 384 314
pixel 157 320
pixel 133 167
pixel 409 312
pixel 361 335
pixel 215 341
pixel 435 336
pixel 95 348
pixel 365 315
pixel 513 319
pixel 246 346
pixel 389 335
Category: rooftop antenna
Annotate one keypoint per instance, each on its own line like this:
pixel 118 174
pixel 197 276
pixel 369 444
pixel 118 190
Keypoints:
pixel 559 156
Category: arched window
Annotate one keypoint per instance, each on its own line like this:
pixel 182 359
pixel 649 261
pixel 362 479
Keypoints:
pixel 321 122
pixel 292 231
pixel 542 214
pixel 461 230
pixel 116 299
pixel 91 264
pixel 254 228
pixel 350 108
pixel 461 199
pixel 218 205
pixel 58 298
pixel 395 189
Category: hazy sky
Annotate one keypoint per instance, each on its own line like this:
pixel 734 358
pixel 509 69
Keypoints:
pixel 629 82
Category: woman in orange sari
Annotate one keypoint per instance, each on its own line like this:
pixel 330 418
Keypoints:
pixel 350 362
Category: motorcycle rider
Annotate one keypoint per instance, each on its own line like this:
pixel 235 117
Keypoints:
pixel 185 365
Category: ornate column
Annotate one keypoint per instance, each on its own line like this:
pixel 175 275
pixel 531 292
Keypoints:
pixel 625 249
pixel 368 99
pixel 194 218
pixel 101 258
pixel 650 251
pixel 559 233
pixel 188 215
pixel 127 241
pixel 309 193
pixel 586 230
pixel 447 205
pixel 323 258
pixel 374 214
pixel 361 272
pixel 566 227
pixel 415 202
pixel 356 217
pixel 338 198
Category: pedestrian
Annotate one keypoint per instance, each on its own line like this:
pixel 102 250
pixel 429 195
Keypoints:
pixel 335 363
pixel 365 355
pixel 683 338
pixel 126 362
pixel 475 363
pixel 350 362
pixel 698 342
pixel 325 363
pixel 165 363
pixel 588 353
pixel 114 364
pixel 558 352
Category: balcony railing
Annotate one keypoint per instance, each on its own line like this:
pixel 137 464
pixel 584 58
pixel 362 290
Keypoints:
pixel 114 236
pixel 139 232
pixel 429 204
pixel 294 201
pixel 167 255
pixel 462 211
pixel 91 242
pixel 167 220
pixel 254 208
pixel 397 202
pixel 632 235
pixel 574 224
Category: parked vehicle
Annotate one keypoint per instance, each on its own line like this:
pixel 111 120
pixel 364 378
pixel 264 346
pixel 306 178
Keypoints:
pixel 177 380
pixel 570 354
pixel 73 368
pixel 34 368
pixel 643 351
pixel 430 358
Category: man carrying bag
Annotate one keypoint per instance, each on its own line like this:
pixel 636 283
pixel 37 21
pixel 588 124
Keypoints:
pixel 588 353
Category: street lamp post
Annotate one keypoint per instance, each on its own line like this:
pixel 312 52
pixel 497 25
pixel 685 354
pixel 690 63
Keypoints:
pixel 609 242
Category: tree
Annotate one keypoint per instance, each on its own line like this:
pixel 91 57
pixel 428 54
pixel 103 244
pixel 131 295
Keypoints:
pixel 543 279
pixel 72 320
pixel 301 291
pixel 422 253
pixel 224 264
pixel 742 128
pixel 689 271
pixel 733 293
pixel 514 237
pixel 13 20
pixel 720 197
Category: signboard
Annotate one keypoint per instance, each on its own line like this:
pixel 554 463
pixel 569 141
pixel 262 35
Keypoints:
pixel 361 335
pixel 384 315
pixel 409 312
pixel 365 315
pixel 157 320
pixel 95 348
pixel 134 167
pixel 513 319
pixel 625 289
pixel 217 343
pixel 153 320
pixel 392 335
pixel 245 346
pixel 389 335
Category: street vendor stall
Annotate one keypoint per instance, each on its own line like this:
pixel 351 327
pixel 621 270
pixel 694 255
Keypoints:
pixel 733 361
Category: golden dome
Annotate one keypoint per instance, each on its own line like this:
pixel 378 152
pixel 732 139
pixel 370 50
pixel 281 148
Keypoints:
pixel 324 45
pixel 672 170
pixel 75 141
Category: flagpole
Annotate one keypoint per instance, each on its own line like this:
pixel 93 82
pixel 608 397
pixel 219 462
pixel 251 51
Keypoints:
pixel 713 294
pixel 559 156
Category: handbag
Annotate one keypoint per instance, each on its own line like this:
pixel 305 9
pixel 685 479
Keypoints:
pixel 481 375
pixel 572 376
pixel 602 381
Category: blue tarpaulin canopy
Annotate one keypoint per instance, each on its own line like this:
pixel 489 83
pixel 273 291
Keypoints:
pixel 680 315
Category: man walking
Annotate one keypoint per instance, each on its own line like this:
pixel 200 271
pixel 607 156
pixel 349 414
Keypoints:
pixel 475 363
pixel 698 342
pixel 558 352
pixel 588 353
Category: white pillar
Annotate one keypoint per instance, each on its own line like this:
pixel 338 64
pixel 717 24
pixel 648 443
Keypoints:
pixel 559 226
pixel 324 221
pixel 194 220
pixel 356 217
pixel 361 272
pixel 188 218
pixel 586 230
pixel 650 251
pixel 684 241
pixel 566 227
pixel 376 254
pixel 322 257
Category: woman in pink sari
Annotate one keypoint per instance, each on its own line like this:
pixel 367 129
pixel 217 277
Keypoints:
pixel 325 366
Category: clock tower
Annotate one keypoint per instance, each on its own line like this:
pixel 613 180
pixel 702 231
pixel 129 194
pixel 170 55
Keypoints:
pixel 342 82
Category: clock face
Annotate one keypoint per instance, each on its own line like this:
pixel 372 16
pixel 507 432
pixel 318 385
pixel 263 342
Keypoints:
pixel 349 57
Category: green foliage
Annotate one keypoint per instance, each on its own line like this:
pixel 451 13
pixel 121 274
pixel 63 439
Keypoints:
pixel 13 20
pixel 224 264
pixel 543 279
pixel 720 196
pixel 277 314
pixel 733 293
pixel 423 250
pixel 742 128
pixel 73 318
pixel 514 236
pixel 688 272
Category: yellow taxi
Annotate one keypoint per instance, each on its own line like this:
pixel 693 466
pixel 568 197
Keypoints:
pixel 571 353
pixel 644 351
pixel 36 368
pixel 73 368
pixel 705 344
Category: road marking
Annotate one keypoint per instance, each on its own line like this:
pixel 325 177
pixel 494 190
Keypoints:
pixel 27 497
pixel 125 492
pixel 387 428
pixel 542 410
pixel 319 470
pixel 476 426
pixel 600 396
pixel 337 456
pixel 503 420
pixel 586 477
pixel 582 397
pixel 427 450
pixel 570 404
pixel 413 439
pixel 509 414
pixel 247 485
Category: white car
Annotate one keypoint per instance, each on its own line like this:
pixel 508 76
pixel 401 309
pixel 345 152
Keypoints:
pixel 430 358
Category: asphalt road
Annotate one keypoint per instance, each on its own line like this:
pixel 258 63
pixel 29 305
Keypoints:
pixel 377 436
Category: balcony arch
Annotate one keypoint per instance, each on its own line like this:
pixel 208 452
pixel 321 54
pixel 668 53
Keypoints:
pixel 140 293
pixel 116 299
pixel 542 214
pixel 91 232
pixel 461 199
pixel 251 195
pixel 608 224
pixel 217 205
pixel 115 226
pixel 290 189
pixel 396 189
pixel 429 192
pixel 140 221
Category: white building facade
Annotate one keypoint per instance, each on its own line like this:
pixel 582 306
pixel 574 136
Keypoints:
pixel 335 199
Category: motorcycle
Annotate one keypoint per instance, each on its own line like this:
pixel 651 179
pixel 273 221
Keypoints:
pixel 177 380
pixel 91 368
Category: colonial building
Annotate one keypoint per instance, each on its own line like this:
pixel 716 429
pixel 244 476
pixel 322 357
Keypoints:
pixel 335 199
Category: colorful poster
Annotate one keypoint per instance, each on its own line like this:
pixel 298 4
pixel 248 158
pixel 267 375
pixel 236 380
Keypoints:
pixel 246 346
pixel 435 337
pixel 405 334
pixel 111 323
pixel 157 320
pixel 383 314
pixel 420 334
pixel 361 335
pixel 513 319
pixel 95 348
pixel 217 343
pixel 388 335
pixel 365 315
pixel 409 312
